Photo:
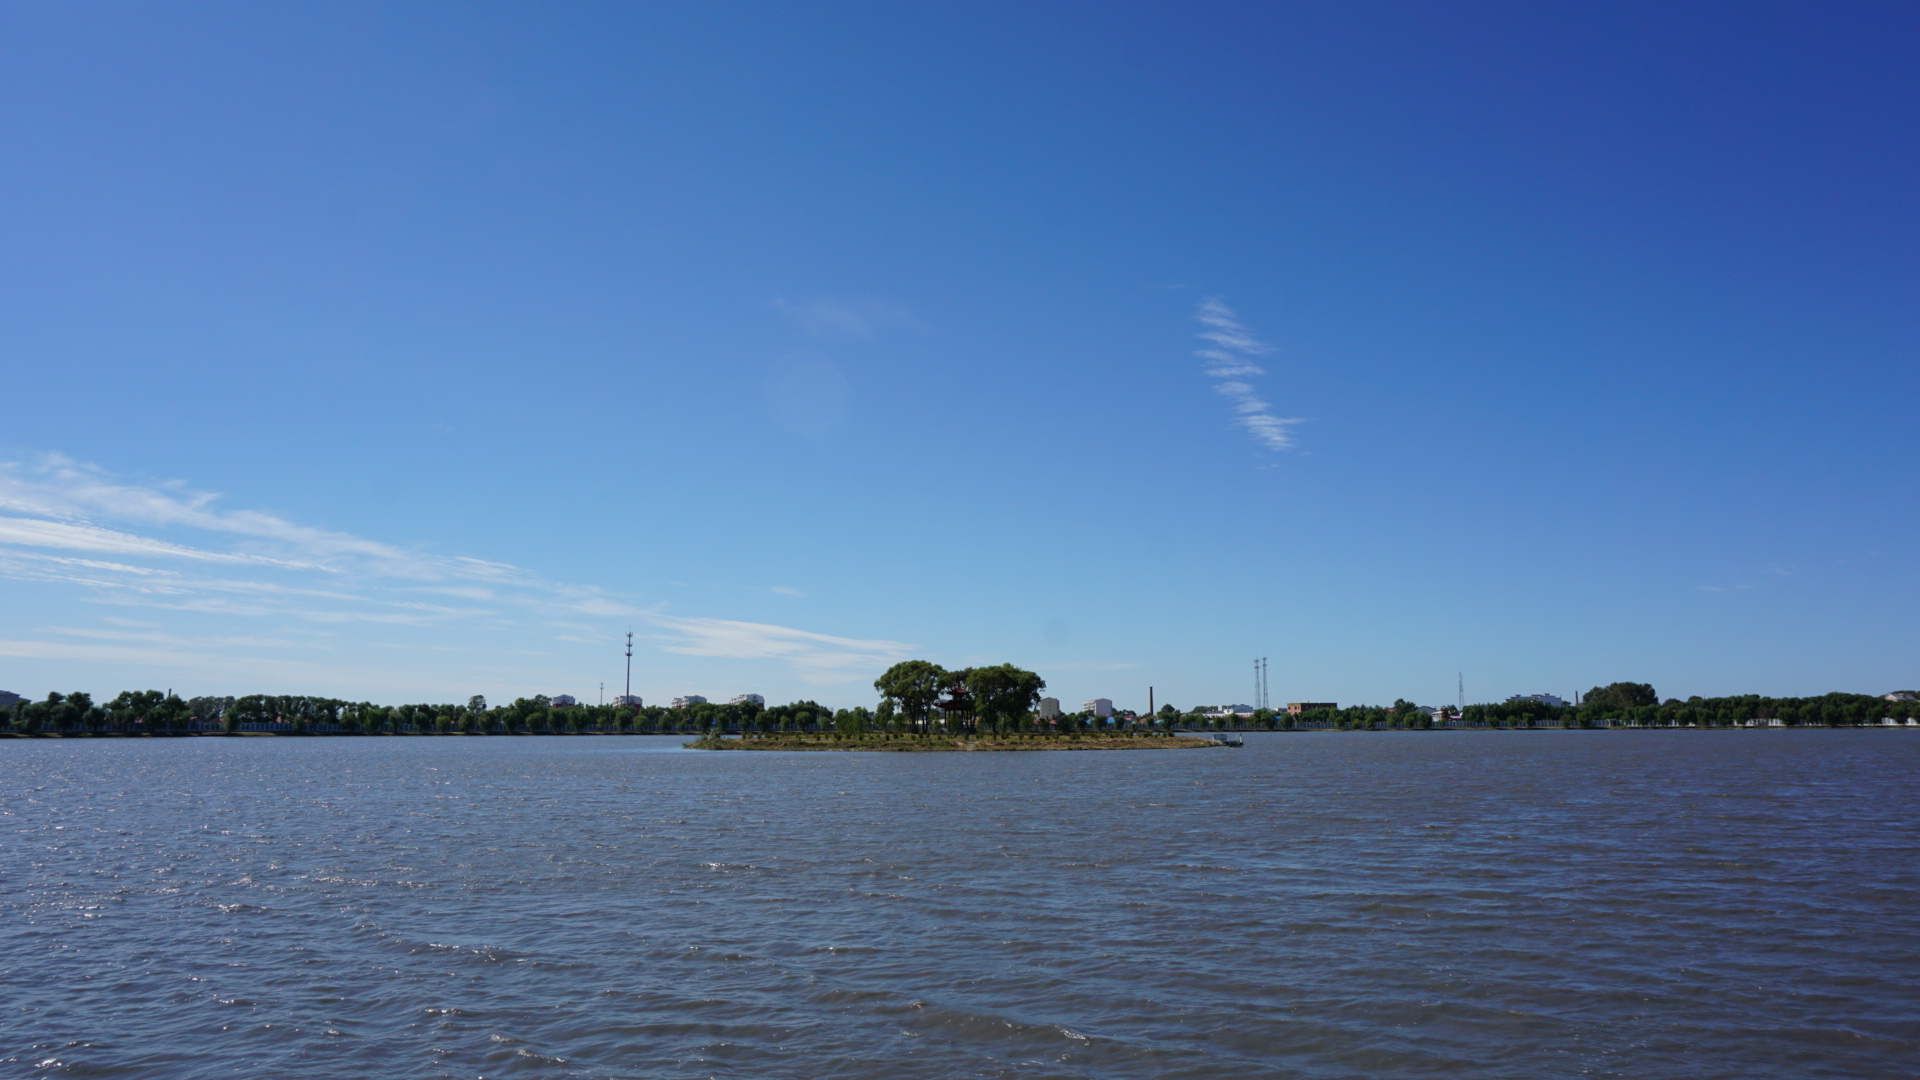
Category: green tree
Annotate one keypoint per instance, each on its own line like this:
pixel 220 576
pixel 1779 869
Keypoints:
pixel 75 711
pixel 251 709
pixel 913 686
pixel 851 721
pixel 1003 694
pixel 1621 695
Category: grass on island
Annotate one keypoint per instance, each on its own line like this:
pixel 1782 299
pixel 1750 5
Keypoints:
pixel 904 742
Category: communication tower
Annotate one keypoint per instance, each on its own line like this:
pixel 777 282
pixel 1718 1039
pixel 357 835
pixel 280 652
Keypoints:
pixel 629 665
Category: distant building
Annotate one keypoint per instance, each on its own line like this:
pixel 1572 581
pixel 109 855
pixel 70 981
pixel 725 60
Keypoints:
pixel 628 699
pixel 564 699
pixel 1049 708
pixel 1100 707
pixel 8 697
pixel 1897 695
pixel 689 699
pixel 743 699
pixel 1295 708
pixel 1225 711
pixel 1543 699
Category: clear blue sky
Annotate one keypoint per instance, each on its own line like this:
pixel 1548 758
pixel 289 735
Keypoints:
pixel 411 351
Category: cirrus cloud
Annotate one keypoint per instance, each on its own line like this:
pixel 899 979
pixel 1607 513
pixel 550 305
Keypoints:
pixel 177 554
pixel 1230 352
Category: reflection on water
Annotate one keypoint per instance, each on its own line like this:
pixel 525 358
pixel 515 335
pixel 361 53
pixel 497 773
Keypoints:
pixel 1485 904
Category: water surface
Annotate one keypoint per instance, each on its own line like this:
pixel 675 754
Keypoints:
pixel 1486 904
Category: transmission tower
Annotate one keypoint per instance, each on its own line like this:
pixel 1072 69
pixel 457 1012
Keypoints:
pixel 629 697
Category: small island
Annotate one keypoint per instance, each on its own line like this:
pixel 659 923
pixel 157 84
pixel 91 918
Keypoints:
pixel 939 741
pixel 924 707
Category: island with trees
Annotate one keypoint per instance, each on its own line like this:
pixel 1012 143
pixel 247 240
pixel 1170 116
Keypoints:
pixel 925 707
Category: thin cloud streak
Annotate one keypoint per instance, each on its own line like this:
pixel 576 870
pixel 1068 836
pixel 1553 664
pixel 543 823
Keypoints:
pixel 1230 358
pixel 832 317
pixel 66 536
pixel 71 524
pixel 819 658
pixel 64 493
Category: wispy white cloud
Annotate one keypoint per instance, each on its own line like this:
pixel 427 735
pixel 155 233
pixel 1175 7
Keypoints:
pixel 70 497
pixel 830 317
pixel 787 591
pixel 170 552
pixel 819 658
pixel 68 536
pixel 1229 355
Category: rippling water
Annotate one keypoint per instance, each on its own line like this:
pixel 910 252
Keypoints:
pixel 1485 904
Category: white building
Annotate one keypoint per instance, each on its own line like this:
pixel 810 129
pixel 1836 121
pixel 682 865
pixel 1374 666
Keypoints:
pixel 742 699
pixel 688 699
pixel 1544 699
pixel 1049 708
pixel 627 699
pixel 564 699
pixel 1100 707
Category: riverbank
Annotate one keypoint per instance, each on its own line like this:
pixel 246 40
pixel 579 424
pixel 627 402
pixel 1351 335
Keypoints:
pixel 949 743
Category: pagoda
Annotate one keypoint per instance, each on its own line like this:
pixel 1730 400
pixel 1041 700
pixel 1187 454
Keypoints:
pixel 958 708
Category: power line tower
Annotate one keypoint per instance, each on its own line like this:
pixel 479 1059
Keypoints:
pixel 1260 699
pixel 1462 687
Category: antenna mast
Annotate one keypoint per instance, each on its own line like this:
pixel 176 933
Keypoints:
pixel 629 699
pixel 1462 677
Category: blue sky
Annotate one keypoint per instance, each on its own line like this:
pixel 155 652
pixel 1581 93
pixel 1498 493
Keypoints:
pixel 410 352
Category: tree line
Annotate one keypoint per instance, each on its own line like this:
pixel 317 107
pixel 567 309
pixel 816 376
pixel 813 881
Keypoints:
pixel 1630 705
pixel 153 712
pixel 917 696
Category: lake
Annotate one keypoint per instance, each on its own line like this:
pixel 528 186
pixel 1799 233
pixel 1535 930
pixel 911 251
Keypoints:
pixel 1485 904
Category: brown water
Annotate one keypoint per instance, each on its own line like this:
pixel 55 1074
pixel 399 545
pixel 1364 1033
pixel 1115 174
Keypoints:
pixel 1484 904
